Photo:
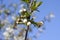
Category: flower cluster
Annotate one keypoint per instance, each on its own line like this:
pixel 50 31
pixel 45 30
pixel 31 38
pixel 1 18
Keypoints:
pixel 8 33
pixel 23 9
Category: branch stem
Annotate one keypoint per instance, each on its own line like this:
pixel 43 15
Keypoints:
pixel 26 33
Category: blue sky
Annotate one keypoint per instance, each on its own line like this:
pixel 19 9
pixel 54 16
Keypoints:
pixel 52 31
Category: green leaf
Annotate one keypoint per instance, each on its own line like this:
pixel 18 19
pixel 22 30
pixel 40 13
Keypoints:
pixel 38 24
pixel 27 1
pixel 38 4
pixel 35 5
pixel 34 23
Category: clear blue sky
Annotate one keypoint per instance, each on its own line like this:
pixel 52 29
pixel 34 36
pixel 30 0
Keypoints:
pixel 52 31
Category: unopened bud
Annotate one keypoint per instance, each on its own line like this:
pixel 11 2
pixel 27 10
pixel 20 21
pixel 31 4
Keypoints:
pixel 28 23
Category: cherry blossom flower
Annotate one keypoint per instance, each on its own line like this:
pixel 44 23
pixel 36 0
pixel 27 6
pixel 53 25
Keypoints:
pixel 28 23
pixel 24 20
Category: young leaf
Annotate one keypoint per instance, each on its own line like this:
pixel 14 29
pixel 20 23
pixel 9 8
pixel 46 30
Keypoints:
pixel 38 4
pixel 27 1
pixel 35 5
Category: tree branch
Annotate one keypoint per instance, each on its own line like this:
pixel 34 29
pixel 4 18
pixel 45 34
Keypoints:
pixel 26 33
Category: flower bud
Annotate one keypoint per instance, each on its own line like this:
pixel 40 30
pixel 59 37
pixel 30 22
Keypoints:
pixel 28 23
pixel 40 24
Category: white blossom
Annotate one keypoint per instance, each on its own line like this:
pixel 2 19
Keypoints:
pixel 21 38
pixel 50 16
pixel 42 22
pixel 23 9
pixel 20 11
pixel 9 29
pixel 15 38
pixel 18 19
pixel 6 34
pixel 28 23
pixel 24 20
pixel 17 22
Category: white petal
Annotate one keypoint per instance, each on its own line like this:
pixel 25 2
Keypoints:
pixel 7 29
pixel 20 11
pixel 6 34
pixel 11 30
pixel 41 22
pixel 17 22
pixel 28 23
pixel 15 38
pixel 24 20
pixel 24 9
